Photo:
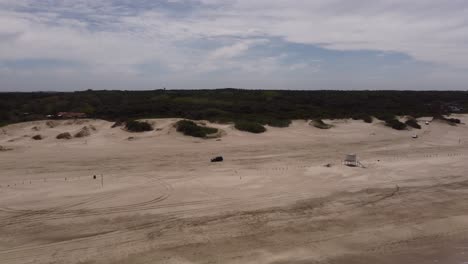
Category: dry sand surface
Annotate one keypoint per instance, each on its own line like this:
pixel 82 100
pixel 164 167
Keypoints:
pixel 271 201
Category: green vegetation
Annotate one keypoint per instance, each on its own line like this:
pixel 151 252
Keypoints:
pixel 318 123
pixel 117 123
pixel 367 119
pixel 395 124
pixel 278 122
pixel 411 122
pixel 451 121
pixel 363 117
pixel 385 116
pixel 37 137
pixel 273 108
pixel 84 132
pixel 454 120
pixel 249 126
pixel 65 135
pixel 138 126
pixel 190 128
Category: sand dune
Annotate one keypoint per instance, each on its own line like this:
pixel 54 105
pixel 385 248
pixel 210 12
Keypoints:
pixel 157 198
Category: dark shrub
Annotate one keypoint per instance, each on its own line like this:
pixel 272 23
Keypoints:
pixel 454 120
pixel 395 124
pixel 212 112
pixel 65 135
pixel 84 132
pixel 138 126
pixel 451 121
pixel 228 104
pixel 249 126
pixel 51 124
pixel 37 137
pixel 385 117
pixel 278 122
pixel 117 124
pixel 364 117
pixel 367 119
pixel 318 123
pixel 189 128
pixel 413 123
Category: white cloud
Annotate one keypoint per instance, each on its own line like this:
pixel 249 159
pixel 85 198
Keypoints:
pixel 432 31
pixel 236 49
pixel 111 36
pixel 404 26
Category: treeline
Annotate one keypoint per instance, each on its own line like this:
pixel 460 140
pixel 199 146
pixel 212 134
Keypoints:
pixel 262 106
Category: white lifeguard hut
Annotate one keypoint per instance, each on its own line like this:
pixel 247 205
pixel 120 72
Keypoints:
pixel 351 160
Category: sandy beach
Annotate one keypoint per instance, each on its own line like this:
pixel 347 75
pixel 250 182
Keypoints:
pixel 157 198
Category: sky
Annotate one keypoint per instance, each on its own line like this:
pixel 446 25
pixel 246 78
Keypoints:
pixel 66 45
